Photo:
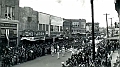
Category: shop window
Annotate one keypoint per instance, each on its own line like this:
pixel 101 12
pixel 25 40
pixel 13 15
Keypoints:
pixel 2 31
pixel 9 12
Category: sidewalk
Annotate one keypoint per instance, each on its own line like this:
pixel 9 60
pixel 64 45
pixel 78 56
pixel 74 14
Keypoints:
pixel 114 57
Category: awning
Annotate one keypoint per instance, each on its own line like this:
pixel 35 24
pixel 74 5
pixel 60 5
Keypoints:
pixel 113 38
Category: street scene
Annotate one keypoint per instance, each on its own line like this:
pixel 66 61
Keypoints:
pixel 59 33
pixel 47 61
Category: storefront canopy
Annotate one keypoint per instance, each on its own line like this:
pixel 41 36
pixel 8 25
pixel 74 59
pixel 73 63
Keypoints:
pixel 113 38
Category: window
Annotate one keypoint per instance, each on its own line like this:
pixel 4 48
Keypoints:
pixel 29 19
pixel 40 26
pixel 9 12
pixel 2 31
pixel 11 32
pixel 15 31
pixel 12 13
pixel 0 9
pixel 47 26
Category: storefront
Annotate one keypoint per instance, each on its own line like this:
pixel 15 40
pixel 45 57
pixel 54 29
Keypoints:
pixel 8 33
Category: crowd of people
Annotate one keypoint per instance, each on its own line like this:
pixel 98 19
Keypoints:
pixel 81 57
pixel 84 55
pixel 16 55
pixel 29 51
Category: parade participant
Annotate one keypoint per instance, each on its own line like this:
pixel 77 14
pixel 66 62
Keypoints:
pixel 71 50
pixel 63 51
pixel 52 50
pixel 63 64
pixel 58 53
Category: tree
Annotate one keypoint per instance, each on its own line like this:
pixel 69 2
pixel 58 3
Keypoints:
pixel 117 5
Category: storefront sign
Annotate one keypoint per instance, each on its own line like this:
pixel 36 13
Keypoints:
pixel 8 25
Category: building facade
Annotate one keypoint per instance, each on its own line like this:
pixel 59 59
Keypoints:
pixel 28 18
pixel 89 27
pixel 67 27
pixel 9 9
pixel 49 23
pixel 9 24
pixel 74 26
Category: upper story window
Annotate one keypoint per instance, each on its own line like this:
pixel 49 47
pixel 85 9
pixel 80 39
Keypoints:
pixel 29 19
pixel 9 12
pixel 0 9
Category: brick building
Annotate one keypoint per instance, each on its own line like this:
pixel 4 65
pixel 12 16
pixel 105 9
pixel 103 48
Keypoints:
pixel 9 9
pixel 67 25
pixel 74 26
pixel 89 27
pixel 9 16
pixel 28 18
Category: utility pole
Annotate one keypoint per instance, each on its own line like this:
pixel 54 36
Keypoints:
pixel 107 37
pixel 49 32
pixel 107 23
pixel 111 27
pixel 93 42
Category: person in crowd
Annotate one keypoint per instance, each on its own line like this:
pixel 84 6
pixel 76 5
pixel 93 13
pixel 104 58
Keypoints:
pixel 72 50
pixel 63 51
pixel 58 52
pixel 52 50
pixel 63 64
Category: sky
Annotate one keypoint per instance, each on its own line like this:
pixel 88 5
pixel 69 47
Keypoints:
pixel 75 9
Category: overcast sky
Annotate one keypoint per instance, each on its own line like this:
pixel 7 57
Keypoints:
pixel 75 9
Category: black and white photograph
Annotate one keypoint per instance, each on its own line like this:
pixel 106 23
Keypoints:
pixel 59 33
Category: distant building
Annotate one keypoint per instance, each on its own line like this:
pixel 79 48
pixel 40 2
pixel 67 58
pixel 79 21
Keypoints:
pixel 89 27
pixel 102 30
pixel 74 26
pixel 67 27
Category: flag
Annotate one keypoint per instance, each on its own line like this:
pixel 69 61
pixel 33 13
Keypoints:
pixel 7 34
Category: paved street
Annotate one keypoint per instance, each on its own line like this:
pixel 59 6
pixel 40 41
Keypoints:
pixel 45 61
